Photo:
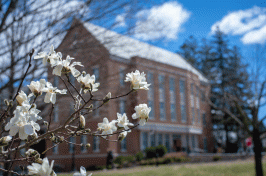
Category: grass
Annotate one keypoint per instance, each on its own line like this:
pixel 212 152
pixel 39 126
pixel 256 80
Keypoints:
pixel 213 169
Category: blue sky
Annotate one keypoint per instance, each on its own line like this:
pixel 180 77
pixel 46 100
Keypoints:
pixel 244 21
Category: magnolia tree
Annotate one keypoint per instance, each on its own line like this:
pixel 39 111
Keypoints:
pixel 24 123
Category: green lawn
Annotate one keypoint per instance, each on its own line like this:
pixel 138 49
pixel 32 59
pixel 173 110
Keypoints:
pixel 213 169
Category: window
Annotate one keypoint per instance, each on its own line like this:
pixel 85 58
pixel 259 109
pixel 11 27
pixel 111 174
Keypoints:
pixel 55 149
pixel 197 99
pixel 152 140
pixel 202 96
pixel 55 112
pixel 160 139
pixel 199 120
pixel 96 144
pixel 193 142
pixel 183 101
pixel 83 140
pixel 122 76
pixel 72 79
pixel 144 140
pixel 150 93
pixel 56 81
pixel 192 103
pixel 124 145
pixel 71 147
pixel 193 115
pixel 122 106
pixel 22 151
pixel 167 142
pixel 97 111
pixel 162 97
pixel 205 144
pixel 204 119
pixel 172 99
pixel 96 73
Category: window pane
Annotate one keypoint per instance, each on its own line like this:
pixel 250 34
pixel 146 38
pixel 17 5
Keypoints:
pixel 167 142
pixel 71 146
pixel 144 140
pixel 124 144
pixel 83 140
pixel 173 112
pixel 122 77
pixel 183 100
pixel 96 73
pixel 152 140
pixel 160 139
pixel 55 112
pixel 151 105
pixel 162 111
pixel 122 106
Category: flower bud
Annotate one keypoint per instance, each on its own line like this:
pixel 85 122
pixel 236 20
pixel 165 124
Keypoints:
pixel 61 139
pixel 81 122
pixel 6 102
pixel 87 130
pixel 45 123
pixel 32 153
pixel 88 145
pixel 107 98
pixel 5 140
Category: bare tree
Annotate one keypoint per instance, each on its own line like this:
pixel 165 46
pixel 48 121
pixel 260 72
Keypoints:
pixel 248 109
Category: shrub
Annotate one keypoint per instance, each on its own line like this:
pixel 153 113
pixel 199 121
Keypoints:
pixel 150 152
pixel 216 158
pixel 161 150
pixel 168 160
pixel 119 160
pixel 94 168
pixel 139 156
pixel 130 158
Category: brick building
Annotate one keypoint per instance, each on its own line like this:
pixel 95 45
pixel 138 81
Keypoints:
pixel 180 118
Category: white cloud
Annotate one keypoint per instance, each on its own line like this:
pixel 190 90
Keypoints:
pixel 255 36
pixel 120 20
pixel 250 23
pixel 163 21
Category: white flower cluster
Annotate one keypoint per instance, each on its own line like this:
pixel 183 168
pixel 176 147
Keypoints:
pixel 24 121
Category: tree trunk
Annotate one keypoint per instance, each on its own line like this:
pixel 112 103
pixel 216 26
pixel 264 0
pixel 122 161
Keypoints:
pixel 257 149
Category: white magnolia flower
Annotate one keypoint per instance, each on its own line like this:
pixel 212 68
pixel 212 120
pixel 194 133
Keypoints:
pixel 142 112
pixel 123 135
pixel 41 169
pixel 88 83
pixel 21 97
pixel 83 172
pixel 23 127
pixel 138 81
pixel 123 121
pixel 51 93
pixel 24 121
pixel 52 57
pixel 37 87
pixel 106 127
pixel 63 66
